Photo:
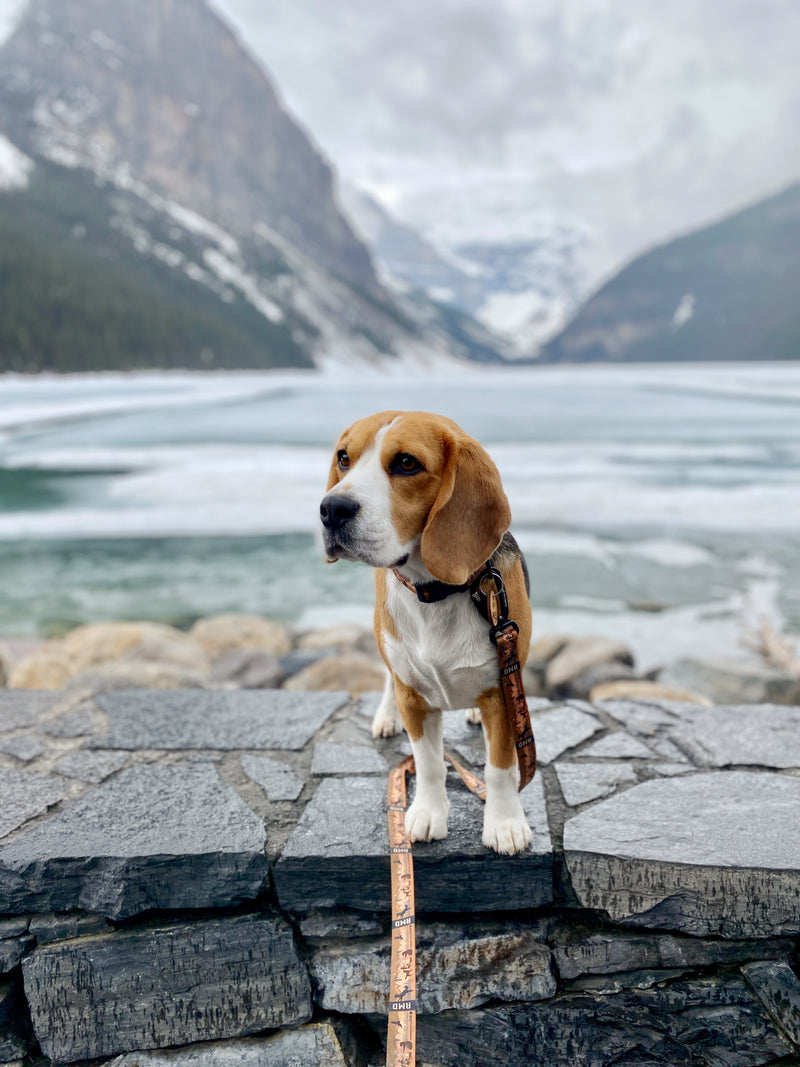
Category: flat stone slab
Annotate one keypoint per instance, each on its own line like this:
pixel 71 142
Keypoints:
pixel 225 720
pixel 582 782
pixel 338 854
pixel 778 988
pixel 705 853
pixel 313 1045
pixel 92 767
pixel 166 985
pixel 618 745
pixel 703 1021
pixel 12 950
pixel 25 795
pixel 767 735
pixel 47 928
pixel 615 951
pixel 645 718
pixel 23 747
pixel 153 837
pixel 330 758
pixel 278 780
pixel 23 707
pixel 561 729
pixel 79 722
pixel 463 967
pixel 463 738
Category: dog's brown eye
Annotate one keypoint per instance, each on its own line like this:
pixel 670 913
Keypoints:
pixel 405 463
pixel 344 459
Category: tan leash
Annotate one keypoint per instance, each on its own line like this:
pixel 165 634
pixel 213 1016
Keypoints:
pixel 401 1034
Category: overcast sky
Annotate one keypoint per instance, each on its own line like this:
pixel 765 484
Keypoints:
pixel 387 88
pixel 698 103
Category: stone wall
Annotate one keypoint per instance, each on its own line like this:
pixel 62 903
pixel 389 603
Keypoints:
pixel 201 877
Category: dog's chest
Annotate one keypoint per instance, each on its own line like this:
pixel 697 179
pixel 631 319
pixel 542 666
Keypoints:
pixel 442 651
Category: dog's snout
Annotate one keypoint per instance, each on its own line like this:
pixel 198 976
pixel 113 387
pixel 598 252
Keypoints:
pixel 336 510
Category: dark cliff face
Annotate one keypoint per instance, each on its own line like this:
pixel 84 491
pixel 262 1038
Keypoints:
pixel 163 91
pixel 725 292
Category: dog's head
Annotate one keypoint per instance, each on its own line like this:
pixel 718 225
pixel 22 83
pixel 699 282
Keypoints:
pixel 406 483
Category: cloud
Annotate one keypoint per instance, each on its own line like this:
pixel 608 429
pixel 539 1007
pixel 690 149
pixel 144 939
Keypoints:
pixel 473 79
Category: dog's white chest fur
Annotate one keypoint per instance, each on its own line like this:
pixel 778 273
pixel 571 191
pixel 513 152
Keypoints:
pixel 445 653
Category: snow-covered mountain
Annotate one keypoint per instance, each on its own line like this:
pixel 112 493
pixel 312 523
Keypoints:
pixel 520 288
pixel 724 292
pixel 586 130
pixel 140 135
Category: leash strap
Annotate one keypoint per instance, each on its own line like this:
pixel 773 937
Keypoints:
pixel 489 596
pixel 515 703
pixel 401 1034
pixel 401 1031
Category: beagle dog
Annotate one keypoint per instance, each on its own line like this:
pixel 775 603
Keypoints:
pixel 416 498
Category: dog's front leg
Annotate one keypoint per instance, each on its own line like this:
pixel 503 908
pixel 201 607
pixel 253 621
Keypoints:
pixel 426 818
pixel 387 722
pixel 505 827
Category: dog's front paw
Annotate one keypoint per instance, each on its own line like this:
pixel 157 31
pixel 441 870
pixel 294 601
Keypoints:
pixel 473 716
pixel 386 722
pixel 508 836
pixel 426 821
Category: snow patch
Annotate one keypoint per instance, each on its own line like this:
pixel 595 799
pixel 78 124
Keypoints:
pixel 528 319
pixel 671 553
pixel 15 166
pixel 232 274
pixel 201 226
pixel 684 311
pixel 508 312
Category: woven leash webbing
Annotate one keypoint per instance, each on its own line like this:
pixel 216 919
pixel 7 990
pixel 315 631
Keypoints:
pixel 401 1034
pixel 516 705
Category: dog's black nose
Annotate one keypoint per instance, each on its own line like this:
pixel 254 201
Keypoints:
pixel 335 511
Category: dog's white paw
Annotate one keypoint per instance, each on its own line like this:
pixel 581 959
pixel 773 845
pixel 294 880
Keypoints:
pixel 386 723
pixel 427 821
pixel 473 715
pixel 508 836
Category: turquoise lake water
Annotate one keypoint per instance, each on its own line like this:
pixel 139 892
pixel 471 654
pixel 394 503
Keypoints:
pixel 657 504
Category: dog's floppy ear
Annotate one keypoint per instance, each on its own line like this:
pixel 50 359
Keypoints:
pixel 469 516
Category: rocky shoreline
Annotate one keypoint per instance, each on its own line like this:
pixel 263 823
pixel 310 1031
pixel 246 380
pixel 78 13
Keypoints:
pixel 238 651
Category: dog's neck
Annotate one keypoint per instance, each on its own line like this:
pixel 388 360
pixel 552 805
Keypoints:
pixel 414 570
pixel 415 576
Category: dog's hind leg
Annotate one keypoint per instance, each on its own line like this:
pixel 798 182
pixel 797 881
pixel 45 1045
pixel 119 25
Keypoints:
pixel 473 716
pixel 387 722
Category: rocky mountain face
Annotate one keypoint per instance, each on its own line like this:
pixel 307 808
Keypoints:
pixel 200 196
pixel 163 90
pixel 724 292
pixel 520 290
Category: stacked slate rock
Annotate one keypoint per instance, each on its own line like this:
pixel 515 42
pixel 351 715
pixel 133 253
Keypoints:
pixel 201 877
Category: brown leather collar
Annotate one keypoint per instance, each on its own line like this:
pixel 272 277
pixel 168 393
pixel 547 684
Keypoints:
pixel 432 592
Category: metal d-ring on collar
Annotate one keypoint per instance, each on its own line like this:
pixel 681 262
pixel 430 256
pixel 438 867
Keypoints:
pixel 491 602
